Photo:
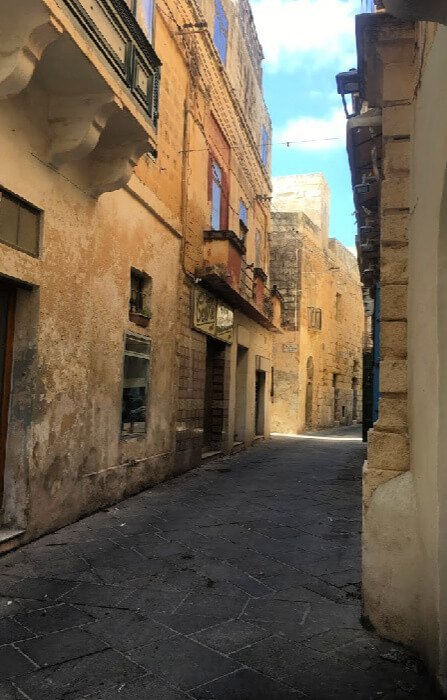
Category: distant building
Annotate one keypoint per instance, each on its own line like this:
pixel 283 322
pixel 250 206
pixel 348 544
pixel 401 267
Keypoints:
pixel 318 357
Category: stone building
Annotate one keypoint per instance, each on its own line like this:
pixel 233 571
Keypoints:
pixel 397 145
pixel 225 365
pixel 135 322
pixel 318 357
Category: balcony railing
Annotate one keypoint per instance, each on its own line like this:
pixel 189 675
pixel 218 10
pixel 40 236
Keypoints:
pixel 243 286
pixel 101 85
pixel 116 33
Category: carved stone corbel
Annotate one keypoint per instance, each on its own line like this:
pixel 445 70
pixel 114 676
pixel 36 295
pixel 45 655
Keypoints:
pixel 26 29
pixel 115 167
pixel 76 124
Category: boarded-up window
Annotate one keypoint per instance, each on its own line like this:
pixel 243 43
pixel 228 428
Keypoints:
pixel 135 385
pixel 220 31
pixel 19 223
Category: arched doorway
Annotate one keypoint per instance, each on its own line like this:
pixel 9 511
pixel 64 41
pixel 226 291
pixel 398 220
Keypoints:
pixel 309 391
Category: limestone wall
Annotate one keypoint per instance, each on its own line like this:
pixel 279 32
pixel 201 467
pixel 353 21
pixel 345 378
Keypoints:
pixel 305 193
pixel 317 370
pixel 224 107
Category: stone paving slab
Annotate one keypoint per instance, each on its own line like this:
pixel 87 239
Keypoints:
pixel 238 581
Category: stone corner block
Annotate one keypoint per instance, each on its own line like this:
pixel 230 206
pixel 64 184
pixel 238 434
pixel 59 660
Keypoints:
pixel 394 265
pixel 394 226
pixel 393 413
pixel 393 302
pixel 388 451
pixel 396 191
pixel 393 338
pixel 372 479
pixel 393 375
pixel 397 120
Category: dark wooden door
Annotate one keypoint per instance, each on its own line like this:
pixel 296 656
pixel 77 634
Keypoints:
pixel 7 307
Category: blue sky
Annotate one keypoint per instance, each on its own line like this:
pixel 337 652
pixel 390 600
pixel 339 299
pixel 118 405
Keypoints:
pixel 306 42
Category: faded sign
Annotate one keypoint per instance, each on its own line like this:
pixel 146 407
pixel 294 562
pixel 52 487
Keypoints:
pixel 205 307
pixel 212 317
pixel 224 323
pixel 290 347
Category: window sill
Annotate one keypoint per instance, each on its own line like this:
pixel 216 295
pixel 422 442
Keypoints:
pixel 139 319
pixel 134 436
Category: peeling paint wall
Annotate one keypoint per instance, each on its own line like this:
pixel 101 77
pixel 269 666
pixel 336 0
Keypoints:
pixel 67 379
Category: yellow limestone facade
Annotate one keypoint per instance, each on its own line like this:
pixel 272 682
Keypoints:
pixel 119 332
pixel 402 243
pixel 318 356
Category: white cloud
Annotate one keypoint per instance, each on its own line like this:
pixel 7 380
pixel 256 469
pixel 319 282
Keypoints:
pixel 303 32
pixel 315 133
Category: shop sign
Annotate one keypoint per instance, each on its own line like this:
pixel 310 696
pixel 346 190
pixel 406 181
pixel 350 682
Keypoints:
pixel 212 317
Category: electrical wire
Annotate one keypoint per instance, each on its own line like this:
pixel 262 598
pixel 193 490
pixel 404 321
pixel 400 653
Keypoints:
pixel 272 143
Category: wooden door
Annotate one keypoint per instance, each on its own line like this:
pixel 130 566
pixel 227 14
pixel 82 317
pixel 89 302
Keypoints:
pixel 7 308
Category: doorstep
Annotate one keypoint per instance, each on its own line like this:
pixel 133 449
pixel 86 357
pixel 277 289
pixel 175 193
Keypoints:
pixel 9 538
pixel 211 454
pixel 237 447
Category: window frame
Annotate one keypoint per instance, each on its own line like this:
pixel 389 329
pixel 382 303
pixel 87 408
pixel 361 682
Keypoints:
pixel 219 184
pixel 21 202
pixel 314 318
pixel 259 248
pixel 123 436
pixel 264 150
pixel 145 291
pixel 221 31
pixel 134 8
pixel 243 220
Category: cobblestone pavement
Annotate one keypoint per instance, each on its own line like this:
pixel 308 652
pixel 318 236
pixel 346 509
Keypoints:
pixel 238 581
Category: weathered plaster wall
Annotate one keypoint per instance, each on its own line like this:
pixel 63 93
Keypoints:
pixel 65 457
pixel 427 339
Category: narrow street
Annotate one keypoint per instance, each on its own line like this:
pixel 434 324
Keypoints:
pixel 238 581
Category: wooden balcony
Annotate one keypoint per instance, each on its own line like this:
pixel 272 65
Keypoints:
pixel 225 272
pixel 93 78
